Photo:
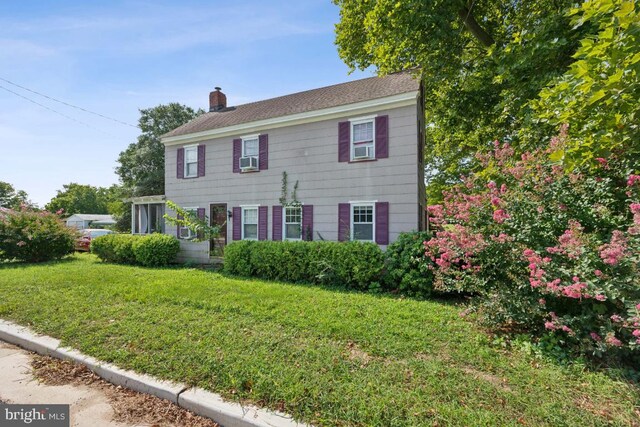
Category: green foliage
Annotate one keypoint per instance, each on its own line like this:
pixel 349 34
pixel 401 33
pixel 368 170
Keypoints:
pixel 545 251
pixel 408 268
pixel 141 165
pixel 119 208
pixel 78 198
pixel 473 93
pixel 150 250
pixel 352 265
pixel 327 358
pixel 117 248
pixel 34 236
pixel 284 195
pixel 199 226
pixel 10 198
pixel 156 250
pixel 599 96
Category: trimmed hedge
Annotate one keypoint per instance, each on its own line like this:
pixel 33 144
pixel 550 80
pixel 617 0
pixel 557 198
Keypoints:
pixel 117 248
pixel 407 265
pixel 352 265
pixel 148 250
pixel 156 249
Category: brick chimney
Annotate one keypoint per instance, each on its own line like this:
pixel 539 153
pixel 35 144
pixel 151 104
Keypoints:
pixel 217 100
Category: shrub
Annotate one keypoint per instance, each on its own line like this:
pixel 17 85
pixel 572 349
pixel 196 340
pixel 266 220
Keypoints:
pixel 116 248
pixel 352 265
pixel 552 252
pixel 34 236
pixel 156 249
pixel 407 265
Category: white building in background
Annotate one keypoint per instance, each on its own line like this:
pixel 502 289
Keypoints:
pixel 82 221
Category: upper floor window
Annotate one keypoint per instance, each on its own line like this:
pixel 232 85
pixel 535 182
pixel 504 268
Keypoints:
pixel 250 146
pixel 362 222
pixel 191 161
pixel 250 223
pixel 293 222
pixel 362 139
pixel 250 153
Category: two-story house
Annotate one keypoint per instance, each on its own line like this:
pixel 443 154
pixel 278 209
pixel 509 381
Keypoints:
pixel 354 150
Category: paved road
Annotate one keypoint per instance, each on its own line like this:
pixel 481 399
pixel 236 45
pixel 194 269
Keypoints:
pixel 90 406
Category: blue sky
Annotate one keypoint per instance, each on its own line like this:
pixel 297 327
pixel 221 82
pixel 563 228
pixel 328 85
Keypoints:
pixel 119 56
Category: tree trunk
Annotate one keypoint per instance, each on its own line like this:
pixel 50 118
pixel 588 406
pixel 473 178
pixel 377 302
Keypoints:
pixel 474 28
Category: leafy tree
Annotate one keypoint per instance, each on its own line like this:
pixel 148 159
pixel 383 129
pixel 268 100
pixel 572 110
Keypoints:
pixel 199 226
pixel 481 63
pixel 10 198
pixel 78 198
pixel 599 96
pixel 141 168
pixel 119 208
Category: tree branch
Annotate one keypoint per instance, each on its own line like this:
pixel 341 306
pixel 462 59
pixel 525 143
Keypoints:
pixel 474 28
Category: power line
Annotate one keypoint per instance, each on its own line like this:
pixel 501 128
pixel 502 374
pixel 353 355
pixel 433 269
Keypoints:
pixel 67 104
pixel 55 111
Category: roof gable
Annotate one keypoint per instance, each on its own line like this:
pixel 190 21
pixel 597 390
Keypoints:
pixel 301 102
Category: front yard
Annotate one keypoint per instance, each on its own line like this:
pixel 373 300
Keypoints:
pixel 327 357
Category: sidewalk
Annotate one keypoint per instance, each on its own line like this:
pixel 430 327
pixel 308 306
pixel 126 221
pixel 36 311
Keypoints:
pixel 91 405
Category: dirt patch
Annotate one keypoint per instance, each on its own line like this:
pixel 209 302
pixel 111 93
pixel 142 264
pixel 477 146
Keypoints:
pixel 355 353
pixel 605 410
pixel 493 379
pixel 128 406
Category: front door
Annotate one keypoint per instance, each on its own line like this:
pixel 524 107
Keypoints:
pixel 218 216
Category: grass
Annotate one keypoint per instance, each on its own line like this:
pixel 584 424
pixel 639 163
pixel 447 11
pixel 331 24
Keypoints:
pixel 327 357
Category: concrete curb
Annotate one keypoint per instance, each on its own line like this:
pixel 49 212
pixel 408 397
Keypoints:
pixel 197 400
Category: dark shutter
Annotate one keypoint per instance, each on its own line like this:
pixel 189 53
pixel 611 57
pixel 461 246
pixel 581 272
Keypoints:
pixel 382 223
pixel 344 223
pixel 201 154
pixel 200 213
pixel 277 223
pixel 382 137
pixel 178 227
pixel 263 152
pixel 237 223
pixel 263 216
pixel 237 152
pixel 344 141
pixel 307 222
pixel 180 164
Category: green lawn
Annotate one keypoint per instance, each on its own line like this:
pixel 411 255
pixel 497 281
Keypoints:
pixel 331 358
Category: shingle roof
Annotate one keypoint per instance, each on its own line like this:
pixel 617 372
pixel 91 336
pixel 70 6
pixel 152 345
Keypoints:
pixel 301 102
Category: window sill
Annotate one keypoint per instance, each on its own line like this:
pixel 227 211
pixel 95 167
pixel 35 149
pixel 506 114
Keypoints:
pixel 362 160
pixel 250 171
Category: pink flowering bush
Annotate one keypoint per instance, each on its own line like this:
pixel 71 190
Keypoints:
pixel 34 236
pixel 544 250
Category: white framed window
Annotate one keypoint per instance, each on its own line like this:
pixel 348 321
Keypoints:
pixel 292 222
pixel 250 153
pixel 250 223
pixel 250 146
pixel 362 138
pixel 363 221
pixel 191 161
pixel 185 232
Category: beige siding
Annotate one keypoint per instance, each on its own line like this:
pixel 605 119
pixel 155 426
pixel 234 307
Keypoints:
pixel 309 155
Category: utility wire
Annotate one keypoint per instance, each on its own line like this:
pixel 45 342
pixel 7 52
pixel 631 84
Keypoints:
pixel 55 111
pixel 67 104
